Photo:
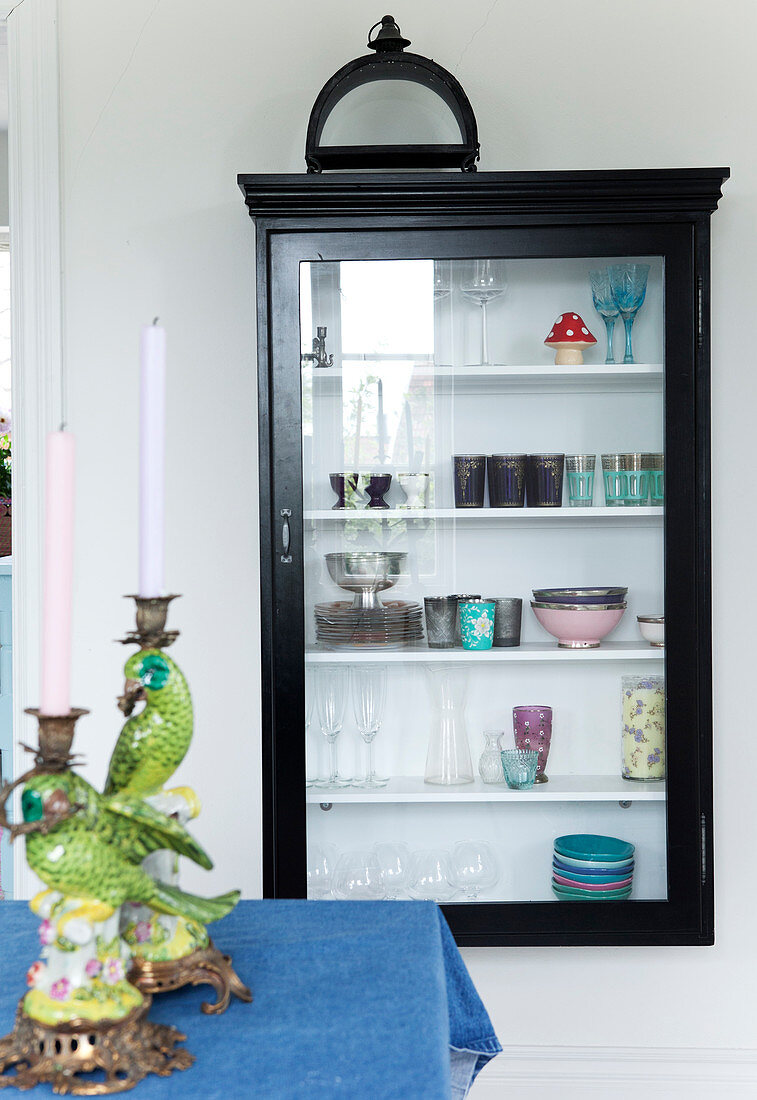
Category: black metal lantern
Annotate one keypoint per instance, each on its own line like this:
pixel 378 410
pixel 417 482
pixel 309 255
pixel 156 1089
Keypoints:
pixel 389 61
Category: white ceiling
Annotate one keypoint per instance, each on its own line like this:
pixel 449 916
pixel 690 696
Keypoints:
pixel 3 75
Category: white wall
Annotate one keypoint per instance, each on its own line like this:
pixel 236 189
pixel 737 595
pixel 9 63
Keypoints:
pixel 3 176
pixel 162 104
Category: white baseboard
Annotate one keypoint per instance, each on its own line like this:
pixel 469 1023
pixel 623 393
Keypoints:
pixel 619 1073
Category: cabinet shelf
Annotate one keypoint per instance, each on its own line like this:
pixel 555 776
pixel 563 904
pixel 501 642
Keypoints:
pixel 560 788
pixel 628 376
pixel 608 651
pixel 644 516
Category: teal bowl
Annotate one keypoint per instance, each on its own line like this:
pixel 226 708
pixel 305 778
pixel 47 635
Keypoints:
pixel 593 895
pixel 598 879
pixel 589 865
pixel 596 849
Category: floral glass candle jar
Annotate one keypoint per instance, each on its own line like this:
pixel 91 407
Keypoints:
pixel 643 737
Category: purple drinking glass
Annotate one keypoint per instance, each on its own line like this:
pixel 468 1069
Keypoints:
pixel 533 730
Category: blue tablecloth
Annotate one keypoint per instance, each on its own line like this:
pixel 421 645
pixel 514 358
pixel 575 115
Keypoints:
pixel 352 999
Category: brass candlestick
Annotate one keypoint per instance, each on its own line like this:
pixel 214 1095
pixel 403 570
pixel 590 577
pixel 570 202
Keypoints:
pixel 64 1051
pixel 53 754
pixel 151 633
pixel 126 1050
pixel 204 964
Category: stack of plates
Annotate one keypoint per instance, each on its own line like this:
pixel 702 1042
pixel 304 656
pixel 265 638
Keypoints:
pixel 341 625
pixel 586 867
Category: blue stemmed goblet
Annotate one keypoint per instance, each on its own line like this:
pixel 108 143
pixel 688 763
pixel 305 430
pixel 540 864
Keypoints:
pixel 628 283
pixel 604 303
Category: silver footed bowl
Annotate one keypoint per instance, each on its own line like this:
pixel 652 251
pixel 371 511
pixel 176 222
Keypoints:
pixel 366 573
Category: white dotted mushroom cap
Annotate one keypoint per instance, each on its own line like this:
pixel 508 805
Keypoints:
pixel 570 328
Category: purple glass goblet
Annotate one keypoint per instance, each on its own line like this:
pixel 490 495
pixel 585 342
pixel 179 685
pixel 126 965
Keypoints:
pixel 533 730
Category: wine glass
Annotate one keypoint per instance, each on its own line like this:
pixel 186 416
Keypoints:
pixel 358 877
pixel 431 876
pixel 628 283
pixel 442 279
pixel 604 303
pixel 331 684
pixel 368 697
pixel 483 281
pixel 394 865
pixel 474 867
pixel 322 860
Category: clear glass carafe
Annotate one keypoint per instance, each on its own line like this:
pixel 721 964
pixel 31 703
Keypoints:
pixel 448 761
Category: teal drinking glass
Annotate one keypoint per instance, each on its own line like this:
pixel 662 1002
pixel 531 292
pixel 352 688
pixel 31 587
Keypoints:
pixel 604 303
pixel 615 479
pixel 580 471
pixel 655 464
pixel 519 766
pixel 477 624
pixel 637 474
pixel 628 283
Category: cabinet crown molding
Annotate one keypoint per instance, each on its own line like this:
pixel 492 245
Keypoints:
pixel 594 195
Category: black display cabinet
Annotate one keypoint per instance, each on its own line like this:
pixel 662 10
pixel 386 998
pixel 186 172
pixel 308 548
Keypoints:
pixel 402 321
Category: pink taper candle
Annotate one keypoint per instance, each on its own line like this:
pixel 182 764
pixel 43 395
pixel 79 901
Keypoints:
pixel 58 574
pixel 152 446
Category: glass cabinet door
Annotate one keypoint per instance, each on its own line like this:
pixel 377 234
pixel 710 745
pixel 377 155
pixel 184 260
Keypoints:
pixel 483 532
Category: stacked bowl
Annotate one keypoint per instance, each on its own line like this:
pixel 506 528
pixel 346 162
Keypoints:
pixel 586 867
pixel 579 617
pixel 367 622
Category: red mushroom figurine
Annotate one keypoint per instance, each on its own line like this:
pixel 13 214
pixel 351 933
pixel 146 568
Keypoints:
pixel 569 336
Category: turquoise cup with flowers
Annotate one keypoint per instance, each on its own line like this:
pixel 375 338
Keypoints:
pixel 477 624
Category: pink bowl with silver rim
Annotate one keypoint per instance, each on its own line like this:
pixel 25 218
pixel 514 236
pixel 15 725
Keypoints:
pixel 578 629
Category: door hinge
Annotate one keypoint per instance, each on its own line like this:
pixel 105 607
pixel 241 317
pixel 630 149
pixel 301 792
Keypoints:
pixel 700 312
pixel 703 843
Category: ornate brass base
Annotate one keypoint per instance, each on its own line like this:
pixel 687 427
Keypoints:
pixel 126 1051
pixel 204 966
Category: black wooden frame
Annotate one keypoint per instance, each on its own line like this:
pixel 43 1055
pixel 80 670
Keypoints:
pixel 513 214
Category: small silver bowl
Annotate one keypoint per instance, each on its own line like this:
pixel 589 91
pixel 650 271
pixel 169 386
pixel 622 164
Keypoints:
pixel 366 574
pixel 652 629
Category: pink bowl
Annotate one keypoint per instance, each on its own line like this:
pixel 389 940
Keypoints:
pixel 589 886
pixel 582 629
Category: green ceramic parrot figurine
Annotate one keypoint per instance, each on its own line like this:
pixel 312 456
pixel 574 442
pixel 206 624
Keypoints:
pixel 154 742
pixel 96 853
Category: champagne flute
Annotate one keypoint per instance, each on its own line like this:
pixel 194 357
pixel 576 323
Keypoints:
pixel 483 281
pixel 332 682
pixel 368 698
pixel 310 779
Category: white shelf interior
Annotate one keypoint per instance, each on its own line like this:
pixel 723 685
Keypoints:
pixel 382 408
pixel 564 515
pixel 622 376
pixel 530 652
pixel 560 788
